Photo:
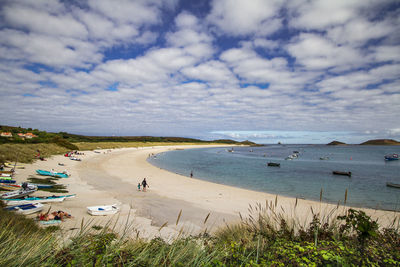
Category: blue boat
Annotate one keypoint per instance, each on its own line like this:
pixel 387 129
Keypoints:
pixel 30 200
pixel 26 208
pixel 392 157
pixel 53 174
pixel 7 181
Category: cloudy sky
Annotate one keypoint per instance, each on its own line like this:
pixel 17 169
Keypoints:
pixel 292 71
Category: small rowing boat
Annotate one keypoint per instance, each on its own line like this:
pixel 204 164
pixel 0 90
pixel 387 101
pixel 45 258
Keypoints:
pixel 393 185
pixel 25 191
pixel 342 173
pixel 103 210
pixel 7 181
pixel 392 157
pixel 273 164
pixel 30 200
pixel 12 165
pixel 8 187
pixel 52 173
pixel 26 208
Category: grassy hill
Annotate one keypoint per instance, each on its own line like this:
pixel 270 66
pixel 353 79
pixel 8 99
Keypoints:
pixel 382 142
pixel 336 143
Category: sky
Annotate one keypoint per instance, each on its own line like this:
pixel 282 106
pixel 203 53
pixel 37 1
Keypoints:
pixel 268 71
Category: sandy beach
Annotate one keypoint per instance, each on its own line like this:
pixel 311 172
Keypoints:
pixel 111 177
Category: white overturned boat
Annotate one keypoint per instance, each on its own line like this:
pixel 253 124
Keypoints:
pixel 27 208
pixel 30 200
pixel 103 210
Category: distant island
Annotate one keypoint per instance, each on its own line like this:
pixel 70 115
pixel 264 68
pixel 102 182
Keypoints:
pixel 336 143
pixel 382 142
pixel 375 142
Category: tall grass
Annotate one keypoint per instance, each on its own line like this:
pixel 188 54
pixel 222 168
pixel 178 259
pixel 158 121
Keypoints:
pixel 268 236
pixel 26 153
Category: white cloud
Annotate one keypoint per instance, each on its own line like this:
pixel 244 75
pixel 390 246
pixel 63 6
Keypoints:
pixel 316 52
pixel 42 22
pixel 322 14
pixel 236 17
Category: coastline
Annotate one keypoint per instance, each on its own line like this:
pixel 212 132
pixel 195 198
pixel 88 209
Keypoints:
pixel 111 178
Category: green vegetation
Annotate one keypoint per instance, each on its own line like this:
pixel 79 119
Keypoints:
pixel 25 149
pixel 266 238
pixel 27 153
pixel 66 139
pixel 336 143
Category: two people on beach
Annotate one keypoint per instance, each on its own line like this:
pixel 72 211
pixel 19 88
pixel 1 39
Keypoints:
pixel 144 184
pixel 56 215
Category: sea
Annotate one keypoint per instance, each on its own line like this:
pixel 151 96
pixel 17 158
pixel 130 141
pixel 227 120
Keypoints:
pixel 309 176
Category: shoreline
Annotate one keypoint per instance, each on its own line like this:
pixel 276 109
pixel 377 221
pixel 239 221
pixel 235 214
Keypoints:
pixel 111 178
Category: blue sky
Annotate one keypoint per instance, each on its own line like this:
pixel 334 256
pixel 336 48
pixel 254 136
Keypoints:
pixel 292 71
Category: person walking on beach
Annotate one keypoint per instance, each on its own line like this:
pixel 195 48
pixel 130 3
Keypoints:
pixel 138 186
pixel 191 174
pixel 144 184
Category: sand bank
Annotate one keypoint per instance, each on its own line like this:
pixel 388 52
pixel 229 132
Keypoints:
pixel 112 178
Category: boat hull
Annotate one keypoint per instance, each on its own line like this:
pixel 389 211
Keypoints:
pixel 103 210
pixel 27 208
pixel 342 173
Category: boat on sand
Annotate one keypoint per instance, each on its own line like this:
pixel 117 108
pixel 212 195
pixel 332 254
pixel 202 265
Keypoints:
pixel 26 208
pixel 52 173
pixel 30 200
pixel 103 210
pixel 25 191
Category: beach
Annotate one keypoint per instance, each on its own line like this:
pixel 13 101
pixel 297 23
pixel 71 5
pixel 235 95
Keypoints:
pixel 111 177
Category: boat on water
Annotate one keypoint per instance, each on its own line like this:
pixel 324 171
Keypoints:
pixel 273 164
pixel 52 173
pixel 324 158
pixel 392 157
pixel 293 156
pixel 25 191
pixel 26 208
pixel 342 173
pixel 393 185
pixel 30 200
pixel 103 210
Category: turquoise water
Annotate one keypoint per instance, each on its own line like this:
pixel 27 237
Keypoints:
pixel 303 177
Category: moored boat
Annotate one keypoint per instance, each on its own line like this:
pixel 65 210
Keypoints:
pixel 342 173
pixel 103 210
pixel 393 185
pixel 27 208
pixel 392 157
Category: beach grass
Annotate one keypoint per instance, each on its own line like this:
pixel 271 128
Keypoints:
pixel 26 153
pixel 265 238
